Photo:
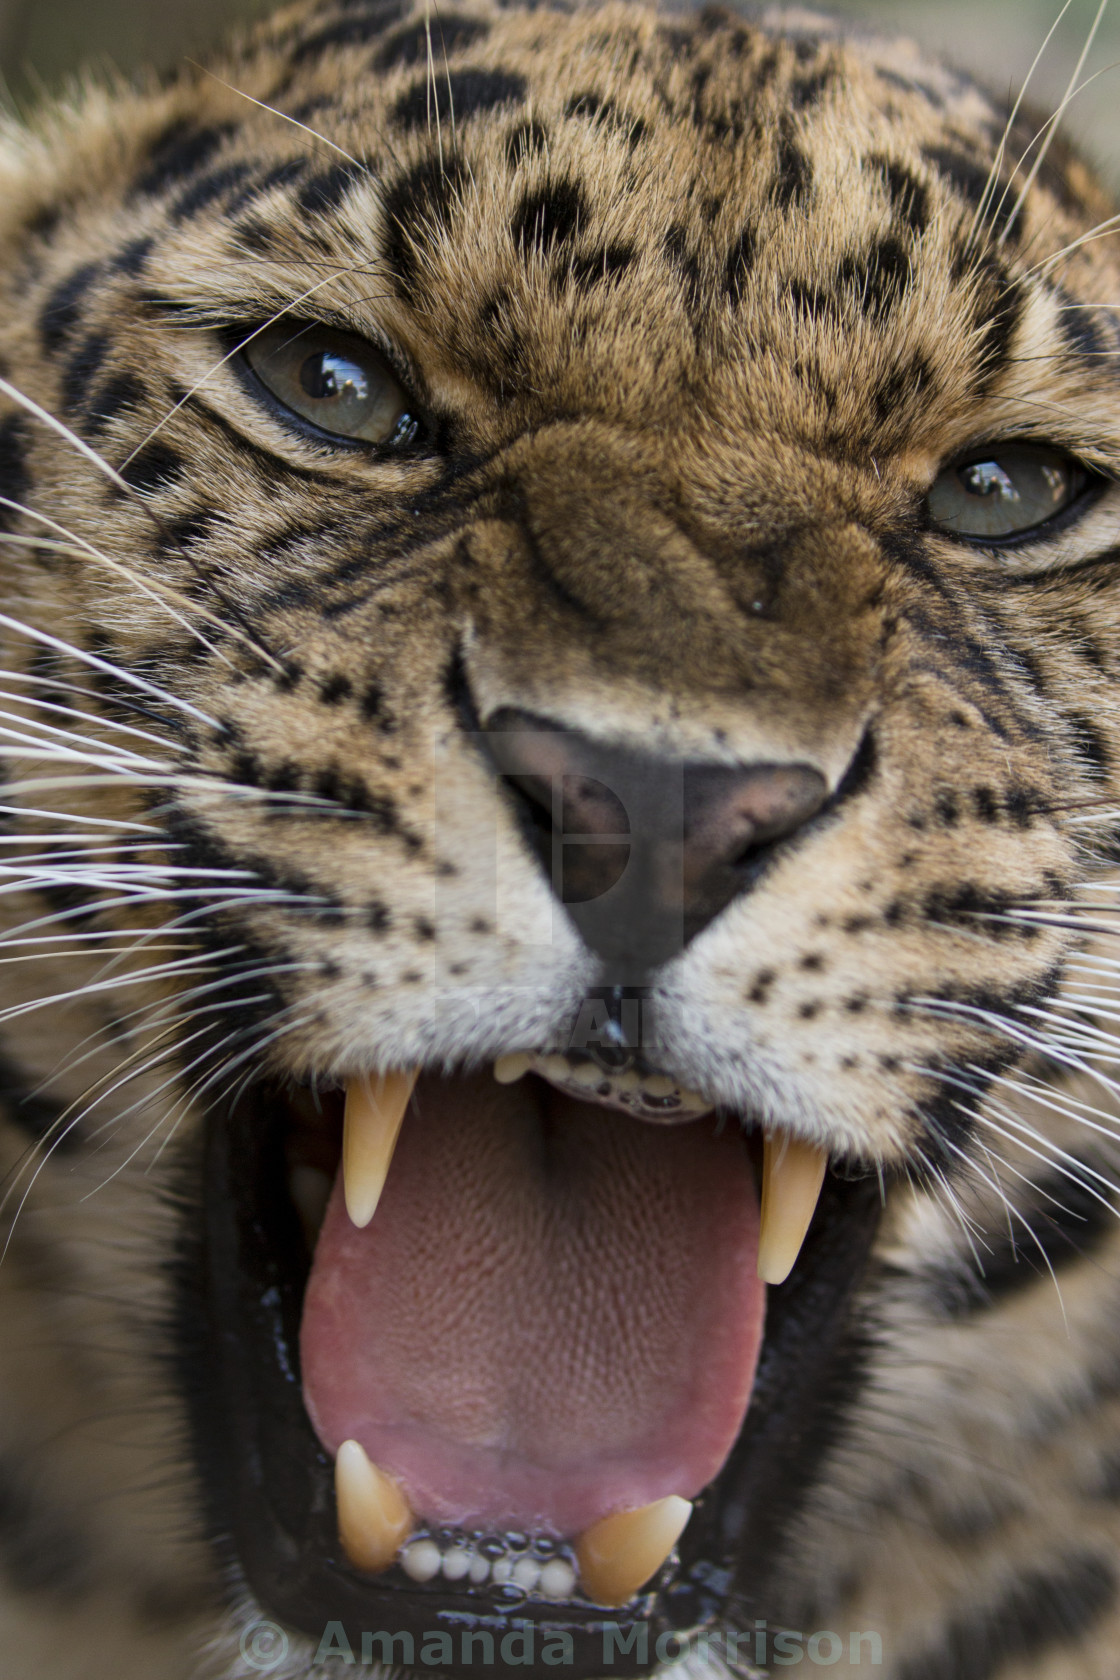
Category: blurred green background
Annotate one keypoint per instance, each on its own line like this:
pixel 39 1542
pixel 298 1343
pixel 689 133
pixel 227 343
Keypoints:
pixel 41 40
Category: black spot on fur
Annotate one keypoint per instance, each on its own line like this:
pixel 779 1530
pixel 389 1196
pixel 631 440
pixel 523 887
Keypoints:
pixel 740 261
pixel 1001 325
pixel 968 905
pixel 38 1552
pixel 118 395
pixel 25 1107
pixel 448 35
pixel 419 209
pixel 687 264
pixel 605 266
pixel 1044 1608
pixel 986 803
pixel 1071 1218
pixel 594 107
pixel 1084 333
pixel 909 197
pixel 15 480
pixel 897 391
pixel 178 152
pixel 965 171
pixel 157 467
pixel 131 258
pixel 325 192
pixel 1092 747
pixel 878 279
pixel 909 85
pixel 549 216
pixel 528 139
pixel 336 689
pixel 805 91
pixel 209 189
pixel 457 95
pixel 63 309
pixel 378 918
pixel 251 234
pixel 357 31
pixel 793 174
pixel 81 370
pixel 861 771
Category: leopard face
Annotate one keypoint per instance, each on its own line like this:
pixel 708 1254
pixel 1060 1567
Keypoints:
pixel 579 547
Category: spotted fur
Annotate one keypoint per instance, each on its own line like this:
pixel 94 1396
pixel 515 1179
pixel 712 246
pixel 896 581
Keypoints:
pixel 694 310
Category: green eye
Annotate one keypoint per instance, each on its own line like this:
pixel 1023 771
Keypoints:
pixel 1006 491
pixel 337 382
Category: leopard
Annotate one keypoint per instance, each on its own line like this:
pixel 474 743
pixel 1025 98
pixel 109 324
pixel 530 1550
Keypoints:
pixel 560 823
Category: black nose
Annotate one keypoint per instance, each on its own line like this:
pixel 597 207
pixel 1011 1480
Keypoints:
pixel 642 851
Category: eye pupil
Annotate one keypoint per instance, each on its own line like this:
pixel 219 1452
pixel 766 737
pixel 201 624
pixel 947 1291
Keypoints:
pixel 330 376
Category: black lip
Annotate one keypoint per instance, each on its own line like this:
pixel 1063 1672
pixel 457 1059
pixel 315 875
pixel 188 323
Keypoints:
pixel 268 1484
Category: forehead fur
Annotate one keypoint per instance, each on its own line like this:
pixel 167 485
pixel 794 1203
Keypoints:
pixel 616 210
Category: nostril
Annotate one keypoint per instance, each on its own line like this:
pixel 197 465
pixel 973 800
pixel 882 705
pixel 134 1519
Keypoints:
pixel 643 851
pixel 731 814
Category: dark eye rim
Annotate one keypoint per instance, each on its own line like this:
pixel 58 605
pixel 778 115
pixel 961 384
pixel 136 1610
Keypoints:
pixel 1096 483
pixel 236 340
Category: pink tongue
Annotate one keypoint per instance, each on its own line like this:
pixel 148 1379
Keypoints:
pixel 554 1314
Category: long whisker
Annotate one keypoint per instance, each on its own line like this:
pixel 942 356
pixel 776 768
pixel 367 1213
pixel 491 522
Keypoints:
pixel 980 216
pixel 1070 93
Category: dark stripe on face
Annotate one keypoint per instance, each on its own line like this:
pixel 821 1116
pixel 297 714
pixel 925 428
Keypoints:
pixel 1044 1608
pixel 446 35
pixel 419 209
pixel 456 95
pixel 1070 1219
pixel 15 480
pixel 350 32
pixel 549 216
pixel 38 1552
pixel 179 152
pixel 28 1110
pixel 63 308
pixel 909 197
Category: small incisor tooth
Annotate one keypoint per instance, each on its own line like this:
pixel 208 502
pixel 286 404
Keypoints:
pixel 374 1517
pixel 375 1107
pixel 619 1554
pixel 792 1175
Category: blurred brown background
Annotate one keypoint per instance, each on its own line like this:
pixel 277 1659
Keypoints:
pixel 42 40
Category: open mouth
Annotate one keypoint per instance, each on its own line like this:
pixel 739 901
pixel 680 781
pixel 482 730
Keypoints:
pixel 477 1351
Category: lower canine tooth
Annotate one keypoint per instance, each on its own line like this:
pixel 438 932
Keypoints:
pixel 618 1555
pixel 374 1517
pixel 792 1175
pixel 375 1107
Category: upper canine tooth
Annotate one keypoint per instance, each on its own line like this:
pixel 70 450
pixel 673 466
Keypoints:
pixel 509 1069
pixel 619 1554
pixel 374 1517
pixel 792 1175
pixel 375 1107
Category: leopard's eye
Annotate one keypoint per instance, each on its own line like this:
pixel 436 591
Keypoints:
pixel 1006 491
pixel 339 383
